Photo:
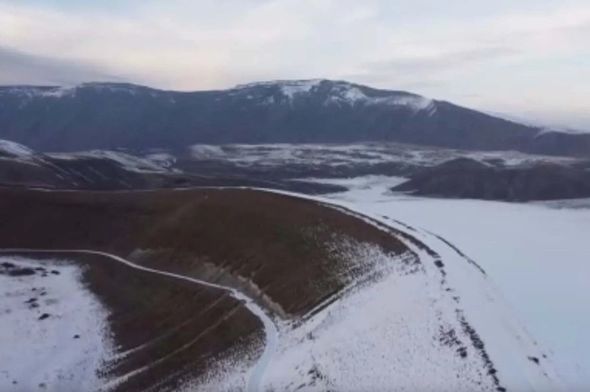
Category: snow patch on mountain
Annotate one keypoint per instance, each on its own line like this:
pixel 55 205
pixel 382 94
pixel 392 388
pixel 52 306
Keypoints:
pixel 126 161
pixel 351 95
pixel 58 92
pixel 207 151
pixel 130 89
pixel 292 89
pixel 555 130
pixel 15 149
pixel 162 159
pixel 339 93
pixel 30 92
pixel 285 85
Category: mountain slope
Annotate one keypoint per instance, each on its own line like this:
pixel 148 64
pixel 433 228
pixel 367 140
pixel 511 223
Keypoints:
pixel 107 115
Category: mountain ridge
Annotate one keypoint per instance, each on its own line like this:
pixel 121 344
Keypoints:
pixel 123 115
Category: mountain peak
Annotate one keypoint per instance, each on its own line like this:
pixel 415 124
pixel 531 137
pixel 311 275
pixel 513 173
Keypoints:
pixel 282 83
pixel 331 92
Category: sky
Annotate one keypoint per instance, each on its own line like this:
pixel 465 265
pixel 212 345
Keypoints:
pixel 525 58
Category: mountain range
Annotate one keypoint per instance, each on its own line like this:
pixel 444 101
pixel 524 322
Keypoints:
pixel 268 237
pixel 115 115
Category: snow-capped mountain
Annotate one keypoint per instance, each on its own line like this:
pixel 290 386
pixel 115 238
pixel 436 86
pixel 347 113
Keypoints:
pixel 14 150
pixel 110 115
pixel 334 93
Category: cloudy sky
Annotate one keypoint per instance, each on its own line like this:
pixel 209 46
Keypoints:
pixel 529 58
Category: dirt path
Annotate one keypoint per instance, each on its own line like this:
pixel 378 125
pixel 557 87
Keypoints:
pixel 254 383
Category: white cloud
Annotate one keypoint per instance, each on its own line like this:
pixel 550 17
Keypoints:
pixel 458 51
pixel 22 68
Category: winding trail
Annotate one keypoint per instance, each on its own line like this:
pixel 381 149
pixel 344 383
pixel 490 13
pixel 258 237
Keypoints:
pixel 271 331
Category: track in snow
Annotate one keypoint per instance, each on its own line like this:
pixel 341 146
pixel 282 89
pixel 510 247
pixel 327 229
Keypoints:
pixel 254 383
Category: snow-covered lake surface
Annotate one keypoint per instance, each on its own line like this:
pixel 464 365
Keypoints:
pixel 53 331
pixel 536 254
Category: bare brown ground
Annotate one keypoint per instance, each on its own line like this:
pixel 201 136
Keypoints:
pixel 283 245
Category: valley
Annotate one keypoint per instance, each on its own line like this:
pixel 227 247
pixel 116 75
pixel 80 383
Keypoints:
pixel 323 262
pixel 297 196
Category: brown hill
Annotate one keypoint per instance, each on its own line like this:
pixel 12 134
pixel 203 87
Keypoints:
pixel 288 253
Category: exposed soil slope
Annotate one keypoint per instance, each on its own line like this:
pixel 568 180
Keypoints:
pixel 290 255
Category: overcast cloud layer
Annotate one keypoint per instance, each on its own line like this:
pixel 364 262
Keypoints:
pixel 531 58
